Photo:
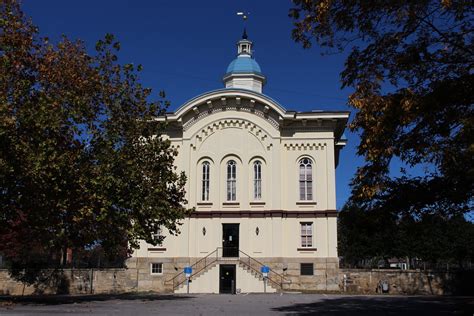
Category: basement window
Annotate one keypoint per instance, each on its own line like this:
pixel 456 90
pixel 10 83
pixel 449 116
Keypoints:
pixel 156 268
pixel 306 269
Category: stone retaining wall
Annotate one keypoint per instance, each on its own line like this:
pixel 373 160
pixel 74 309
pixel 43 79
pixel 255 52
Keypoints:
pixel 327 278
pixel 324 278
pixel 406 282
pixel 75 281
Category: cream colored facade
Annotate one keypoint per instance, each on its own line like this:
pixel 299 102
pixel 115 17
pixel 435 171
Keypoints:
pixel 240 124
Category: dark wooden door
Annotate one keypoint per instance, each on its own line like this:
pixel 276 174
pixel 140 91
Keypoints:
pixel 230 240
pixel 227 279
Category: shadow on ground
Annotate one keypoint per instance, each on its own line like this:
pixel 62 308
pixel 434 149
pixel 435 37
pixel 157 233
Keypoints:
pixel 71 299
pixel 384 305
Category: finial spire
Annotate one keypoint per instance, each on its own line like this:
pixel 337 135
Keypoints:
pixel 244 72
pixel 244 36
pixel 245 16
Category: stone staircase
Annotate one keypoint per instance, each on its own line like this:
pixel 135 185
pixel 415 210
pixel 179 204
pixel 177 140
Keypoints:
pixel 258 275
pixel 275 281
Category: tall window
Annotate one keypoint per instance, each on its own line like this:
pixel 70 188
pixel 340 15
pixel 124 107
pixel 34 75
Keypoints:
pixel 231 180
pixel 257 180
pixel 306 179
pixel 205 180
pixel 306 235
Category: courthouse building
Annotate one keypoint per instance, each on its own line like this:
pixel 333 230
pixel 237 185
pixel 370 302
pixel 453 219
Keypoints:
pixel 262 181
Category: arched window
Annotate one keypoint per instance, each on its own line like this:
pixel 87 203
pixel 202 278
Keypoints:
pixel 257 180
pixel 231 180
pixel 306 179
pixel 206 169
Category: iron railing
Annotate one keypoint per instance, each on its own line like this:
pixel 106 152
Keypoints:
pixel 223 254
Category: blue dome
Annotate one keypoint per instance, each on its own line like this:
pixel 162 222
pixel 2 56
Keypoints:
pixel 244 64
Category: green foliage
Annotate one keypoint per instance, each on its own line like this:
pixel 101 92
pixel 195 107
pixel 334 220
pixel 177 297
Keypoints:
pixel 410 65
pixel 83 161
pixel 366 234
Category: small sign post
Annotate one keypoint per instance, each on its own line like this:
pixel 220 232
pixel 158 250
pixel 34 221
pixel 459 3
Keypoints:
pixel 188 271
pixel 265 270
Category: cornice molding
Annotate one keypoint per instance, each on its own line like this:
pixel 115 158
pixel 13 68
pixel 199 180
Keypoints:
pixel 230 107
pixel 263 213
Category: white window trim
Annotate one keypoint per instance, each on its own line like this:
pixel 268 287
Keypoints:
pixel 231 182
pixel 311 224
pixel 151 268
pixel 257 180
pixel 306 191
pixel 204 197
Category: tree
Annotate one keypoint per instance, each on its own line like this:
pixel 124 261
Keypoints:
pixel 411 67
pixel 82 161
pixel 367 235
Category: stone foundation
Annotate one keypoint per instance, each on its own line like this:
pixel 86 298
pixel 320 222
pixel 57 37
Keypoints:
pixel 327 277
pixel 137 277
pixel 324 278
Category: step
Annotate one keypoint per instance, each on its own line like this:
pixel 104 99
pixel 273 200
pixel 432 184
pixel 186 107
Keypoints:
pixel 198 274
pixel 254 274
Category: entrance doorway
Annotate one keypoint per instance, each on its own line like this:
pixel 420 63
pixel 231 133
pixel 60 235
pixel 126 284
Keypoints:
pixel 230 240
pixel 227 279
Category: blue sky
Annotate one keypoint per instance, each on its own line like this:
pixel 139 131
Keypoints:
pixel 185 47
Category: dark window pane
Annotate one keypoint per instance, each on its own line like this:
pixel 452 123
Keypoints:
pixel 306 268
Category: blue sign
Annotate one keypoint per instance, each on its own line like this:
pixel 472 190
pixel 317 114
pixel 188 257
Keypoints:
pixel 188 270
pixel 265 269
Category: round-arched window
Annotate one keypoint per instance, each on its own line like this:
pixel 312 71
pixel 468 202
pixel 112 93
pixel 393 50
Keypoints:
pixel 306 179
pixel 257 180
pixel 206 173
pixel 231 180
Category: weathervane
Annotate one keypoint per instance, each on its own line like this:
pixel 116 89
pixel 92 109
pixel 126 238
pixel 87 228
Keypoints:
pixel 245 16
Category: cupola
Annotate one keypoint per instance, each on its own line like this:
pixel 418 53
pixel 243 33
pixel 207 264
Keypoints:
pixel 244 72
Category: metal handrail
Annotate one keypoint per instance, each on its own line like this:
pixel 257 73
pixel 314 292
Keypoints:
pixel 177 283
pixel 282 277
pixel 261 274
pixel 195 273
pixel 193 265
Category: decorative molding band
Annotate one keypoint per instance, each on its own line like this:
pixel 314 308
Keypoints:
pixel 261 213
pixel 251 127
pixel 226 107
pixel 305 146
